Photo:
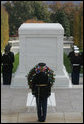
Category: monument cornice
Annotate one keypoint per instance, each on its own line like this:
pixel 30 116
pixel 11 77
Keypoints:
pixel 41 29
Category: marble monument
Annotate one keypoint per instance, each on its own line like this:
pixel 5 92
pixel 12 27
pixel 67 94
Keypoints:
pixel 41 42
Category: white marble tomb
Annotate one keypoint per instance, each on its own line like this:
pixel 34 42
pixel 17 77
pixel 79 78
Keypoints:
pixel 41 42
pixel 31 101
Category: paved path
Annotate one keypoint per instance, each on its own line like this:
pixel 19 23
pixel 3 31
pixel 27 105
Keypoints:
pixel 69 106
pixel 72 117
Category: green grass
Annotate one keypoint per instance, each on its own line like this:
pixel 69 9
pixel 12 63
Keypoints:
pixel 16 63
pixel 81 50
pixel 67 63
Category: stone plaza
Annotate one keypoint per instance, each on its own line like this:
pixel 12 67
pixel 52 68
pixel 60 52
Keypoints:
pixel 68 109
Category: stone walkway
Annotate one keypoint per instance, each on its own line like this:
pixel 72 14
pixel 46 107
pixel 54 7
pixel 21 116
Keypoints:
pixel 71 117
pixel 68 109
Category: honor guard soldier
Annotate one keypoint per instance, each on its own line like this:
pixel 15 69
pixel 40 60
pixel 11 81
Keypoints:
pixel 81 55
pixel 1 58
pixel 71 54
pixel 41 89
pixel 40 80
pixel 76 65
pixel 7 65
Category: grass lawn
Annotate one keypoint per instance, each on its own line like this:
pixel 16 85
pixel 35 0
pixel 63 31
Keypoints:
pixel 16 63
pixel 66 63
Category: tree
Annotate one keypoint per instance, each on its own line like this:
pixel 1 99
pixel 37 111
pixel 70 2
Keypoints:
pixel 41 11
pixel 61 17
pixel 69 9
pixel 67 27
pixel 81 41
pixel 57 6
pixel 20 11
pixel 78 26
pixel 81 26
pixel 4 28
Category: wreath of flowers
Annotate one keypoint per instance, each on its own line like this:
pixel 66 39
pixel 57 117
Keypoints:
pixel 37 69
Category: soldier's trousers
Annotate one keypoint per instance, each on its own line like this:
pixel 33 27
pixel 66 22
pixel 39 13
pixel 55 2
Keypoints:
pixel 7 78
pixel 75 78
pixel 41 108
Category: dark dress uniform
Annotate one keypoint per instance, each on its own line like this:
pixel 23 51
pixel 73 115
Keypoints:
pixel 71 54
pixel 42 90
pixel 7 66
pixel 81 55
pixel 1 58
pixel 76 65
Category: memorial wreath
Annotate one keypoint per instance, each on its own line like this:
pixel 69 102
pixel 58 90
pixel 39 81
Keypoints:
pixel 37 69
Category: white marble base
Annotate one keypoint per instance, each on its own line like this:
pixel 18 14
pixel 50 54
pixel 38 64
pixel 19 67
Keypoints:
pixel 20 80
pixel 31 101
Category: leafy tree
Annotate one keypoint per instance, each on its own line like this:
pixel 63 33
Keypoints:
pixel 78 26
pixel 69 9
pixel 41 11
pixel 20 11
pixel 81 41
pixel 71 17
pixel 4 28
pixel 55 7
pixel 81 26
pixel 61 17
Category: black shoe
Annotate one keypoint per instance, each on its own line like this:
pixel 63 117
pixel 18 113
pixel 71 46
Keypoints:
pixel 42 120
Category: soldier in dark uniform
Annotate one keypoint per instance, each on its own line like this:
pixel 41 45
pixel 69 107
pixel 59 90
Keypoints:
pixel 81 55
pixel 76 65
pixel 7 65
pixel 41 89
pixel 71 54
pixel 1 58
